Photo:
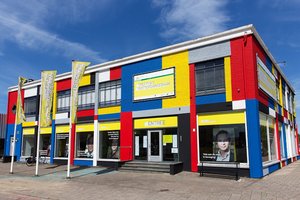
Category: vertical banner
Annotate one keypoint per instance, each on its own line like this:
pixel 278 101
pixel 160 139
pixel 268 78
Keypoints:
pixel 47 87
pixel 78 69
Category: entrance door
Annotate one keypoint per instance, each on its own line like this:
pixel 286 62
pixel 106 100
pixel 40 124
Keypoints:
pixel 155 145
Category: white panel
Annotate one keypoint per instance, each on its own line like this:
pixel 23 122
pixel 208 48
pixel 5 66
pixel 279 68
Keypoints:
pixel 104 76
pixel 265 171
pixel 285 120
pixel 61 116
pixel 272 112
pixel 30 92
pixel 238 105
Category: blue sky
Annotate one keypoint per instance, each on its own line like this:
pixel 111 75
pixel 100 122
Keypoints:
pixel 40 35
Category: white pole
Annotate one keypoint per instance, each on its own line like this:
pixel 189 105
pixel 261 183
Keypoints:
pixel 13 147
pixel 38 139
pixel 70 135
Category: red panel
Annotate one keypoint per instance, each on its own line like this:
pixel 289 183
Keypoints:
pixel 12 100
pixel 285 113
pixel 297 141
pixel 237 71
pixel 85 113
pixel 73 130
pixel 193 122
pixel 278 138
pixel 263 98
pixel 115 73
pixel 126 136
pixel 283 163
pixel 63 85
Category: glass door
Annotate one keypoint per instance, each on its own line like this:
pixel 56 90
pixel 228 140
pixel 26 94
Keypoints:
pixel 155 145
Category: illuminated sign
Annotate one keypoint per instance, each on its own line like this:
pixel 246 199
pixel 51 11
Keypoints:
pixel 154 85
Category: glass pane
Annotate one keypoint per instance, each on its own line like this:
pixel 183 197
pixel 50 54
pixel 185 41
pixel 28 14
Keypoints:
pixel 141 145
pixel 62 143
pixel 28 145
pixel 272 139
pixel 84 145
pixel 109 147
pixel 170 144
pixel 154 143
pixel 264 137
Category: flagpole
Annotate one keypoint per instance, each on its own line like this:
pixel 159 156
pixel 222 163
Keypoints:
pixel 38 136
pixel 14 144
pixel 70 134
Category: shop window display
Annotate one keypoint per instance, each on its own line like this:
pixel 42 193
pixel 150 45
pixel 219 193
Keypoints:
pixel 170 144
pixel 223 143
pixel 45 145
pixel 109 147
pixel 28 145
pixel 84 145
pixel 62 145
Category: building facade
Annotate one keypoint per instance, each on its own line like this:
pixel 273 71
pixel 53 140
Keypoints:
pixel 216 98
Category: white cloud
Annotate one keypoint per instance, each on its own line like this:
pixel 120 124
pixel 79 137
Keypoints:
pixel 187 19
pixel 25 23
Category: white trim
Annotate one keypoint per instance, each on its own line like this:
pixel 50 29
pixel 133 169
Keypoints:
pixel 239 105
pixel 103 76
pixel 61 116
pixel 272 112
pixel 31 92
pixel 246 137
pixel 269 163
pixel 242 165
pixel 111 160
pixel 198 147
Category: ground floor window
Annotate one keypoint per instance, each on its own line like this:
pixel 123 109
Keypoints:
pixel 109 144
pixel 45 145
pixel 223 143
pixel 170 144
pixel 267 134
pixel 282 150
pixel 141 144
pixel 28 145
pixel 62 145
pixel 84 144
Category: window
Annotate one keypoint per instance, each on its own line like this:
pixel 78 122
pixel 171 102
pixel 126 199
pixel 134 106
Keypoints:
pixel 30 106
pixel 210 77
pixel 110 93
pixel 86 97
pixel 109 147
pixel 282 150
pixel 28 145
pixel 267 134
pixel 283 97
pixel 63 101
pixel 84 145
pixel 277 92
pixel 45 145
pixel 223 143
pixel 62 145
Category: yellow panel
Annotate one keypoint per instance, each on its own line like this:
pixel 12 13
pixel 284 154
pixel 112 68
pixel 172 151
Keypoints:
pixel 62 129
pixel 85 80
pixel 109 126
pixel 47 130
pixel 227 69
pixel 159 122
pixel 54 100
pixel 167 139
pixel 182 77
pixel 109 110
pixel 28 131
pixel 221 118
pixel 28 124
pixel 280 93
pixel 85 128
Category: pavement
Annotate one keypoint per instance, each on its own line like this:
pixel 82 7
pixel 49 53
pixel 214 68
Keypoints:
pixel 103 183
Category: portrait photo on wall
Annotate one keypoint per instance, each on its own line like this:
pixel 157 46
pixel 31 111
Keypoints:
pixel 222 143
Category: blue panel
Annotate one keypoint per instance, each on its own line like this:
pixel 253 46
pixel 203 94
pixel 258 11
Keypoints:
pixel 254 139
pixel 271 103
pixel 213 98
pixel 83 162
pixel 9 133
pixel 109 116
pixel 19 141
pixel 284 140
pixel 52 142
pixel 298 157
pixel 274 168
pixel 128 72
pixel 269 64
pixel 279 110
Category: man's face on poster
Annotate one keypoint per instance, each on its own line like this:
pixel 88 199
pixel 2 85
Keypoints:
pixel 223 142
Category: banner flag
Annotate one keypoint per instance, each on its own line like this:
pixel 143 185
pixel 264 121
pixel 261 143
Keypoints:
pixel 47 87
pixel 78 69
pixel 20 116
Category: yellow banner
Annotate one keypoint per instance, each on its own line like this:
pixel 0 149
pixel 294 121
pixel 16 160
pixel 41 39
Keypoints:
pixel 28 131
pixel 19 111
pixel 84 128
pixel 62 129
pixel 109 126
pixel 47 87
pixel 221 118
pixel 78 69
pixel 154 85
pixel 159 122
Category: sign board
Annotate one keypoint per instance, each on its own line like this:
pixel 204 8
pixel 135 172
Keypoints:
pixel 154 85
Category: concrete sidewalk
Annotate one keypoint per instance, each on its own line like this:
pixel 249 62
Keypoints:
pixel 102 183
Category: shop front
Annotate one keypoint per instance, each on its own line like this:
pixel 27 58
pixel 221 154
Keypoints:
pixel 61 143
pixel 156 139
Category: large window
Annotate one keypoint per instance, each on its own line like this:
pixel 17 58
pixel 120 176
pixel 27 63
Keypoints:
pixel 223 143
pixel 45 145
pixel 63 101
pixel 109 147
pixel 210 77
pixel 110 93
pixel 268 142
pixel 62 145
pixel 84 145
pixel 30 106
pixel 282 150
pixel 86 97
pixel 28 145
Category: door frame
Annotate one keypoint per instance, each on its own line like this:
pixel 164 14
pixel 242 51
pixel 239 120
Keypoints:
pixel 158 158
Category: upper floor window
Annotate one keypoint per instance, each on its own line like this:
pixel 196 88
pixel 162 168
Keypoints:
pixel 86 97
pixel 110 93
pixel 63 101
pixel 30 106
pixel 210 77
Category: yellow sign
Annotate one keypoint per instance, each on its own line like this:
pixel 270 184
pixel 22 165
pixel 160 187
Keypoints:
pixel 28 131
pixel 47 130
pixel 159 122
pixel 221 118
pixel 109 126
pixel 62 129
pixel 85 128
pixel 154 85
